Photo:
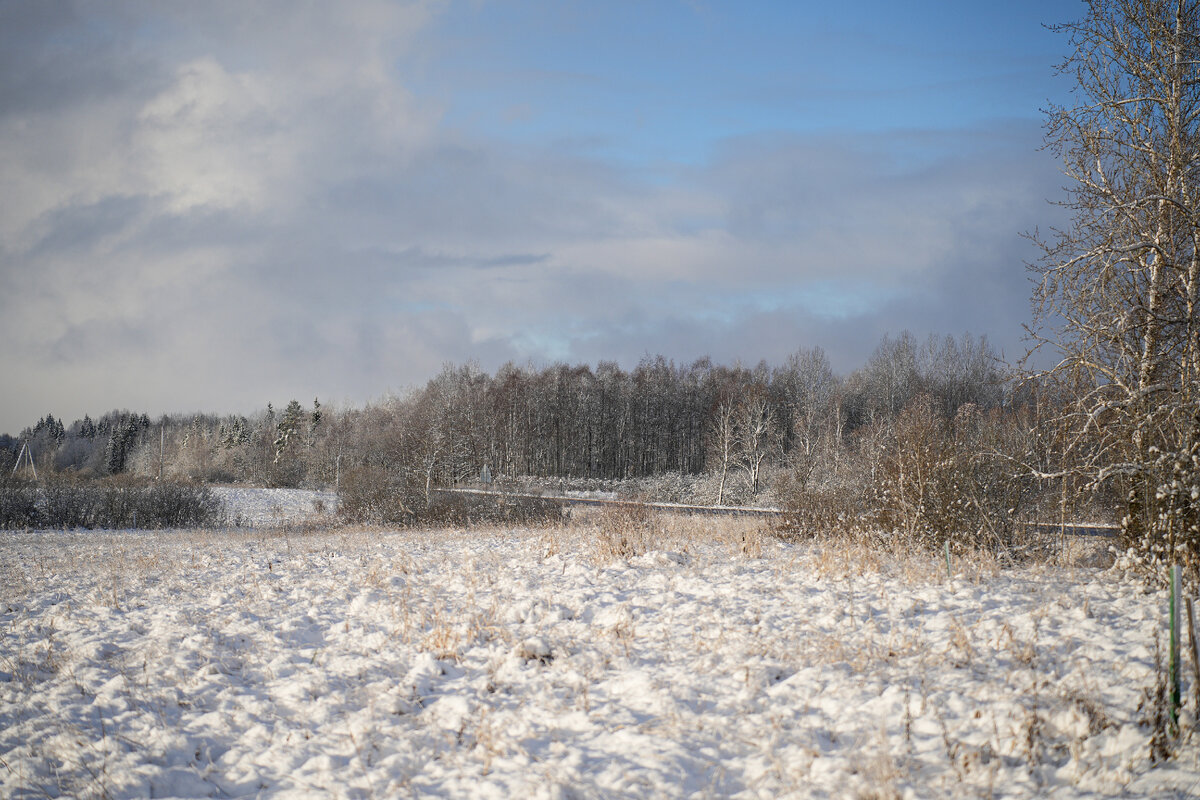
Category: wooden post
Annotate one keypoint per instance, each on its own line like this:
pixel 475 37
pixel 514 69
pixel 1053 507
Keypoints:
pixel 947 559
pixel 26 454
pixel 17 463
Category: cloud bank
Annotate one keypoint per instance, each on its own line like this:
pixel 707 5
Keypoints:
pixel 209 207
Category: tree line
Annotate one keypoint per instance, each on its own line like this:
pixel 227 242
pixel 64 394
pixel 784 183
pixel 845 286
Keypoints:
pixel 696 432
pixel 557 421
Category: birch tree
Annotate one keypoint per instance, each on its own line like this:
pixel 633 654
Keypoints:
pixel 1116 291
pixel 756 435
pixel 723 440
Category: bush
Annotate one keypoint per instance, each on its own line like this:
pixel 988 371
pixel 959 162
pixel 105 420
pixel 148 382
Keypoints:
pixel 689 489
pixel 65 503
pixel 667 487
pixel 175 505
pixel 73 505
pixel 286 474
pixel 18 505
pixel 815 512
pixel 449 508
pixel 378 496
pixel 943 480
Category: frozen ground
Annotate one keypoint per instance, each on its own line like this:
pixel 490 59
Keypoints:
pixel 254 507
pixel 529 663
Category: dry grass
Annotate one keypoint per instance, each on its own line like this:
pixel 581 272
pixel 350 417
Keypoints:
pixel 624 532
pixel 876 636
pixel 841 556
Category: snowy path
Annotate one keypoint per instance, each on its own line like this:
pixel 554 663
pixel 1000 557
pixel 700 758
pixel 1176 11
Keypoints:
pixel 494 664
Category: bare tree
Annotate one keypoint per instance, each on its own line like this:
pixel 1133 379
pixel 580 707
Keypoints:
pixel 756 435
pixel 1117 290
pixel 723 439
pixel 809 391
pixel 888 381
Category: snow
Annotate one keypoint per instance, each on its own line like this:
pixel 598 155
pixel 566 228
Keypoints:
pixel 255 507
pixel 524 663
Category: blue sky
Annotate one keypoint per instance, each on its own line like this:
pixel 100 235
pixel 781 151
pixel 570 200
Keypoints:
pixel 214 206
pixel 669 81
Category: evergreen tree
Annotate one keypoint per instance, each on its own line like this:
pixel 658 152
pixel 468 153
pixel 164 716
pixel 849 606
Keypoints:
pixel 316 419
pixel 289 426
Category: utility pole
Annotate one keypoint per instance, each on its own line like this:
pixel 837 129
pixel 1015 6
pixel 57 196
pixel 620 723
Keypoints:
pixel 27 454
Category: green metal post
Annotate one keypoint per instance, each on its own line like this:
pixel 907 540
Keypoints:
pixel 1174 665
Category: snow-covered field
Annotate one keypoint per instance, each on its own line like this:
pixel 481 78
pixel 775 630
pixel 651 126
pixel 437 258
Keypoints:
pixel 256 507
pixel 528 663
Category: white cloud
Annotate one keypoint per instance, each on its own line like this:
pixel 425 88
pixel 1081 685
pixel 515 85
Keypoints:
pixel 217 140
pixel 265 210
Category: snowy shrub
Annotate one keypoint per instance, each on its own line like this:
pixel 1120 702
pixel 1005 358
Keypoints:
pixel 457 509
pixel 119 507
pixel 691 489
pixel 939 479
pixel 378 496
pixel 705 490
pixel 668 487
pixel 72 505
pixel 1171 533
pixel 18 505
pixel 177 505
pixel 286 474
pixel 815 512
pixel 68 504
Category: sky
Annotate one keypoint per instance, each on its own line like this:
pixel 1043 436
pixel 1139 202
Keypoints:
pixel 212 206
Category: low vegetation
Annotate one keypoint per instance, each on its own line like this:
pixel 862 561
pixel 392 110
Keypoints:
pixel 67 504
